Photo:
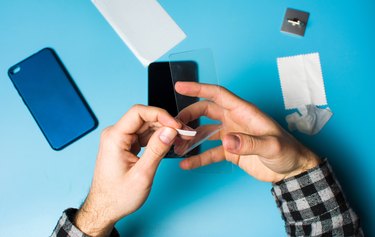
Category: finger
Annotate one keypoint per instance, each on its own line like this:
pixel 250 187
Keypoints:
pixel 135 149
pixel 145 137
pixel 149 125
pixel 201 108
pixel 211 156
pixel 134 119
pixel 157 147
pixel 243 144
pixel 217 94
pixel 216 136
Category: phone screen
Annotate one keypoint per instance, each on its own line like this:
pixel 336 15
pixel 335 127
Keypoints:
pixel 161 90
pixel 160 87
pixel 53 98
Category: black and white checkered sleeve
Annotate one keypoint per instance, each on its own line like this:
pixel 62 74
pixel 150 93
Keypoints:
pixel 313 204
pixel 65 227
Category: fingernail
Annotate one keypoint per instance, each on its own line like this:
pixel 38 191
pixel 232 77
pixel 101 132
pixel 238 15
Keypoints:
pixel 184 165
pixel 232 142
pixel 167 135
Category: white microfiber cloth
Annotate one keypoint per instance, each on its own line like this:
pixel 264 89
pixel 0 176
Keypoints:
pixel 303 89
pixel 301 80
pixel 309 119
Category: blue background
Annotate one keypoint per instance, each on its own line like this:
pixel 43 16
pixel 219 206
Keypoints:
pixel 37 183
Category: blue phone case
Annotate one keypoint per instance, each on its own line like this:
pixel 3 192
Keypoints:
pixel 53 98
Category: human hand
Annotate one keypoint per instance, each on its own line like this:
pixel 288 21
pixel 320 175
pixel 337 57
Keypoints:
pixel 122 181
pixel 251 139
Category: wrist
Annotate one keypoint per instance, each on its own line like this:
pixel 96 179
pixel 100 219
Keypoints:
pixel 92 221
pixel 308 161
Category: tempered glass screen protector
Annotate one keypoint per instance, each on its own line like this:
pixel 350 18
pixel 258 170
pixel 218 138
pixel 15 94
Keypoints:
pixel 52 98
pixel 207 129
pixel 206 73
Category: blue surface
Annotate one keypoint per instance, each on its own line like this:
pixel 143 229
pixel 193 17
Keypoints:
pixel 37 183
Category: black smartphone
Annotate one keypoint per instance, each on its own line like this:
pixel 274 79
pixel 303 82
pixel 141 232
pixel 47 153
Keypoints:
pixel 161 90
pixel 53 99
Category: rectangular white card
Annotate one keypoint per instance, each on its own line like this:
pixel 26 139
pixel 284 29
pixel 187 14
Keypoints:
pixel 301 80
pixel 143 25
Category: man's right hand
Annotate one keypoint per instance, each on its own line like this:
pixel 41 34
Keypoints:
pixel 251 139
pixel 122 180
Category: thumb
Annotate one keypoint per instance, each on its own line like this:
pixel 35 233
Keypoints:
pixel 158 145
pixel 243 144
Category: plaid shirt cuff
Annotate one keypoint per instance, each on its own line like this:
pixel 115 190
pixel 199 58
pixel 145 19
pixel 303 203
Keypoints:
pixel 312 204
pixel 65 227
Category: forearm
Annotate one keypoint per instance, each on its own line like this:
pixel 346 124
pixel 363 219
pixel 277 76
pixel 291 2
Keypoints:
pixel 93 219
pixel 312 203
pixel 66 227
